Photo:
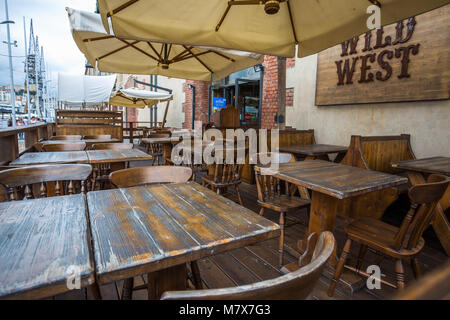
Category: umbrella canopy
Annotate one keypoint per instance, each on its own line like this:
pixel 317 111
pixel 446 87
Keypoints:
pixel 136 98
pixel 111 54
pixel 264 26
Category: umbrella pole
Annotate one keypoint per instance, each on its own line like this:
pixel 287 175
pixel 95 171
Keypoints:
pixel 165 114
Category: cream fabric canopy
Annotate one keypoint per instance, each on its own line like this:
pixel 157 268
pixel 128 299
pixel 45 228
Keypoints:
pixel 136 98
pixel 111 54
pixel 314 24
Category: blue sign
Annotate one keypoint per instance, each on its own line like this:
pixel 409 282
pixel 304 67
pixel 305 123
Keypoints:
pixel 219 103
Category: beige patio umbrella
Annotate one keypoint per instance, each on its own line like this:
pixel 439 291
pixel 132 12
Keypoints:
pixel 137 98
pixel 264 26
pixel 111 54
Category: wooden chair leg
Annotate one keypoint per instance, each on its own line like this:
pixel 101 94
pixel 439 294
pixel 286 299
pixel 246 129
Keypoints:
pixel 196 275
pixel 400 273
pixel 339 267
pixel 416 268
pixel 261 211
pixel 127 289
pixel 281 243
pixel 236 187
pixel 95 291
pixel 362 252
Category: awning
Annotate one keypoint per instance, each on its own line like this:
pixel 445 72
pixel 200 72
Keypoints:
pixel 85 90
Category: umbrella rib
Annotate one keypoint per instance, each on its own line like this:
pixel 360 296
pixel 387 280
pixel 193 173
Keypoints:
pixel 154 50
pixel 140 50
pixel 120 8
pixel 98 38
pixel 179 55
pixel 222 55
pixel 198 59
pixel 117 50
pixel 292 22
pixel 189 56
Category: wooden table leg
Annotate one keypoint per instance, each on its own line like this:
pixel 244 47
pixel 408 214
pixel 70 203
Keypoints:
pixel 170 279
pixel 167 152
pixel 321 218
pixel 440 223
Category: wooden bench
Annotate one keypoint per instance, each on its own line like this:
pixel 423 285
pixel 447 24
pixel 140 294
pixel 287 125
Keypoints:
pixel 375 153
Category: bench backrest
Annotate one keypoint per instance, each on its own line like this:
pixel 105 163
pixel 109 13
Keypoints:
pixel 377 152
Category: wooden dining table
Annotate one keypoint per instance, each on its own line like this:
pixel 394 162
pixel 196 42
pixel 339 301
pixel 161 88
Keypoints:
pixel 113 156
pixel 89 142
pixel 167 145
pixel 36 158
pixel 417 170
pixel 44 247
pixel 315 151
pixel 330 183
pixel 156 229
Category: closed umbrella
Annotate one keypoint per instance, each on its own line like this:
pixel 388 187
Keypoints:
pixel 264 26
pixel 119 55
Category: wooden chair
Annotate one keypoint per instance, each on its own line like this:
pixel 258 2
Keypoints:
pixel 271 196
pixel 112 146
pixel 294 285
pixel 66 137
pixel 156 150
pixel 97 137
pixel 72 146
pixel 222 176
pixel 149 175
pixel 45 180
pixel 402 243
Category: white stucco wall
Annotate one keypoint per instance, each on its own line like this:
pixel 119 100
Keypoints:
pixel 428 122
pixel 175 115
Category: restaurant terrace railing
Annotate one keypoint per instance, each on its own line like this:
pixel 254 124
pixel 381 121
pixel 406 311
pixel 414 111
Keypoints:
pixel 16 141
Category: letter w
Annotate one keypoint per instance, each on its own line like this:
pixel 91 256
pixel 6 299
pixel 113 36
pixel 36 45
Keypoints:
pixel 346 72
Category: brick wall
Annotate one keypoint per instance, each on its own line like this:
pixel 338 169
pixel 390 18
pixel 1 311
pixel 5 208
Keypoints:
pixel 201 102
pixel 289 97
pixel 270 92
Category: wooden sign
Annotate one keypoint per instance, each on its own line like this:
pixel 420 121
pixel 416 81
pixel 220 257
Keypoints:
pixel 406 61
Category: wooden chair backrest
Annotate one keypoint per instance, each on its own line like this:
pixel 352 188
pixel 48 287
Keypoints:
pixel 147 175
pixel 377 152
pixel 112 146
pixel 66 137
pixel 227 173
pixel 294 137
pixel 268 187
pixel 98 136
pixel 295 285
pixel 424 198
pixel 33 181
pixel 72 146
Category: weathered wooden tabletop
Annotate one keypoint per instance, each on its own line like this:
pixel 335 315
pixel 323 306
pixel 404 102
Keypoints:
pixel 148 228
pixel 40 241
pixel 428 165
pixel 33 158
pixel 334 179
pixel 313 149
pixel 109 156
pixel 88 142
pixel 161 140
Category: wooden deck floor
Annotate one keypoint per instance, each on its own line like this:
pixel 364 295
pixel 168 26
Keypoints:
pixel 260 262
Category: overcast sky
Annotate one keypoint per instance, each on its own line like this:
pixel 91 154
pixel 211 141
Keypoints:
pixel 51 25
